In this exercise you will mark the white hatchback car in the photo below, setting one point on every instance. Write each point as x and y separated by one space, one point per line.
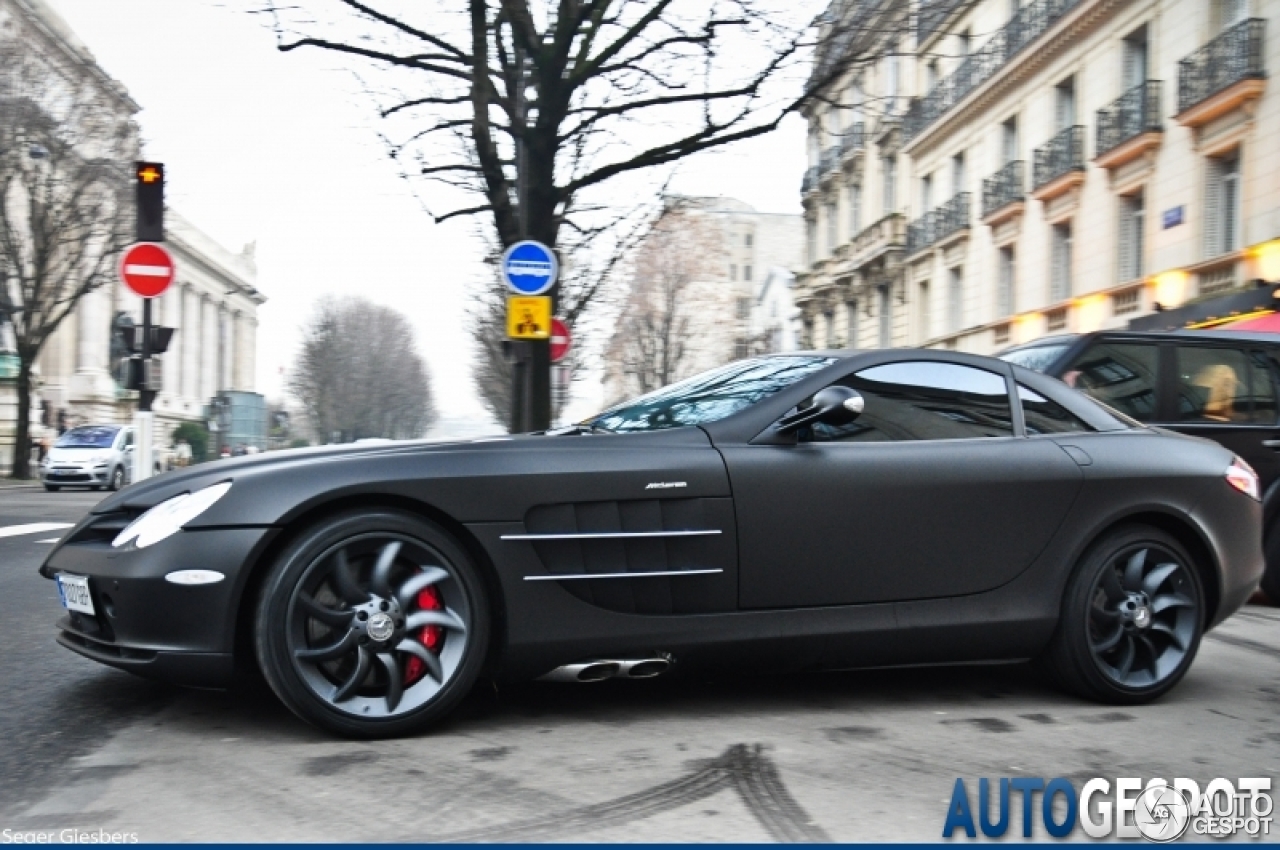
93 456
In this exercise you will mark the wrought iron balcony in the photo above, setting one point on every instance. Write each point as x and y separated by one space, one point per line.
1004 187
830 160
1137 111
938 223
810 181
1060 155
847 32
1025 26
1233 56
854 139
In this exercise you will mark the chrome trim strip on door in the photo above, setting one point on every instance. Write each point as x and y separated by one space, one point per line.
570 576
610 535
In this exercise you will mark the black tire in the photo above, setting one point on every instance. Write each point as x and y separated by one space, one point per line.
1132 575
52 488
117 479
307 611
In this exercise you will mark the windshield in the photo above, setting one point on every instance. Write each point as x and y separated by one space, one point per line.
710 396
89 437
1038 357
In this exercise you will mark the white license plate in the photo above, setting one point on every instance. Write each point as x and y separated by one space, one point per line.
74 591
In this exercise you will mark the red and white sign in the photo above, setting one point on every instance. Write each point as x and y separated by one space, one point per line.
561 342
147 269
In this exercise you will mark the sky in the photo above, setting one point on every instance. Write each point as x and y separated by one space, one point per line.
283 150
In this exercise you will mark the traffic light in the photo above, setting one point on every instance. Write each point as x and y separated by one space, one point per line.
149 180
160 339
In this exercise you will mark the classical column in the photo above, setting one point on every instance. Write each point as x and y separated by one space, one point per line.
91 389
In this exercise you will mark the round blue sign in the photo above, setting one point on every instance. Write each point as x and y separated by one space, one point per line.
529 267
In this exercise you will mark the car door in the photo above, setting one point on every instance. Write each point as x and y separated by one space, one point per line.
931 492
1227 393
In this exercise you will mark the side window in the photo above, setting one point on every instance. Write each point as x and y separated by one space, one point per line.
1213 385
1119 374
924 401
128 440
1043 416
1262 389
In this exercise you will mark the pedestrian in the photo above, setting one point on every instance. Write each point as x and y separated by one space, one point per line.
182 453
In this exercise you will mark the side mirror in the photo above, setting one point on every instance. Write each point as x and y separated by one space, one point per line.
831 406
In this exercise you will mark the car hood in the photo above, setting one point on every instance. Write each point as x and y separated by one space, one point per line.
75 455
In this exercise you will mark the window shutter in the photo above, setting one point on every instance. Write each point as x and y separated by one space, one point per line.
1213 208
1139 234
1125 234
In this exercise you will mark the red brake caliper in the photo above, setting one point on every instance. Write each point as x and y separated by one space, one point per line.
428 636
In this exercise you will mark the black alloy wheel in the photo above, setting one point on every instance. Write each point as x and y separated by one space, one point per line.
372 624
117 478
1132 619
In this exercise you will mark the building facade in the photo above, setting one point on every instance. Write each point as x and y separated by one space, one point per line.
1076 165
700 272
212 304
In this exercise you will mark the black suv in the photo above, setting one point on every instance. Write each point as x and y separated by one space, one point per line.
1222 385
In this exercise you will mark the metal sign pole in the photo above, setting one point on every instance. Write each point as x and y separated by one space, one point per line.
143 420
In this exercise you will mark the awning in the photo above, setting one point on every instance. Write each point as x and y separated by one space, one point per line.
1266 323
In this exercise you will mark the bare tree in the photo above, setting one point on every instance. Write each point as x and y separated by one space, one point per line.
65 155
358 373
670 323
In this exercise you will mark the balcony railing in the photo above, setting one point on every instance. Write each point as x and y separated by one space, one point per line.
830 160
932 14
1137 111
854 139
846 33
1060 155
1233 56
938 223
1024 27
1003 188
810 181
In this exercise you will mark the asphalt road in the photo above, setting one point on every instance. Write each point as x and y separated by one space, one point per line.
844 756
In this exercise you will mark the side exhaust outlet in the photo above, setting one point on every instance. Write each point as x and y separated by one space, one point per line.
599 669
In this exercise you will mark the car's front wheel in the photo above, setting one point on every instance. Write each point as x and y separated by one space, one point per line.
1131 619
117 478
372 624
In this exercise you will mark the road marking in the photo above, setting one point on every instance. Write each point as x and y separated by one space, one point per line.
33 528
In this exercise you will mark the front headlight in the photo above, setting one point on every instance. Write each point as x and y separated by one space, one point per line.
168 517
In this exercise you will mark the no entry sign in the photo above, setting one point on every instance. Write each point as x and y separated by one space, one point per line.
561 341
147 269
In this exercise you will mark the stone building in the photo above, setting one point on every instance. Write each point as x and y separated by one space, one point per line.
985 172
734 249
212 303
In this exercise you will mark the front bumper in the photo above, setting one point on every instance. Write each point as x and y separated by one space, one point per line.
76 474
144 624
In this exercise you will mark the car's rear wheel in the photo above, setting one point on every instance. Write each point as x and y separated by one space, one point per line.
372 624
1131 620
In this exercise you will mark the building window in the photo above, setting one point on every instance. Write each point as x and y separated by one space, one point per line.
955 298
1129 301
890 184
733 272
829 210
748 240
746 273
891 70
1129 236
1009 139
1231 12
1000 334
855 209
851 324
883 313
1065 100
1007 282
1060 259
1056 319
829 317
1222 205
1134 72
926 193
957 174
922 312
744 308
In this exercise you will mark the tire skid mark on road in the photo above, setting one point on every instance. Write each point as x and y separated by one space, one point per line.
742 768
1246 643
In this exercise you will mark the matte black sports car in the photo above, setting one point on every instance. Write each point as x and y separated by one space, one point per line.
801 511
